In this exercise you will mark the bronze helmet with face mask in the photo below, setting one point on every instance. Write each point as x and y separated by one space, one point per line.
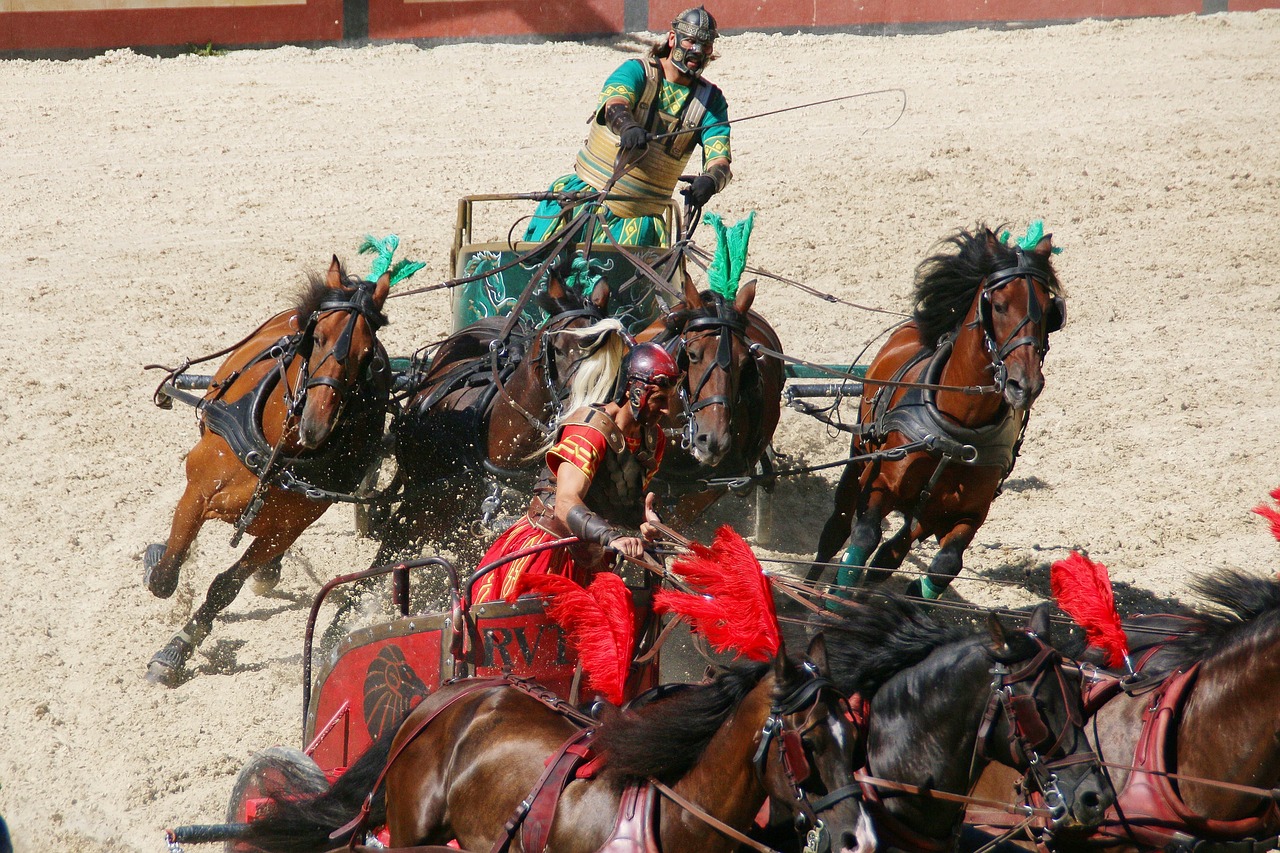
697 26
647 367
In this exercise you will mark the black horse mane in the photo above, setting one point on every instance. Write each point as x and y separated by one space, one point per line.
1245 610
886 635
666 738
317 292
946 282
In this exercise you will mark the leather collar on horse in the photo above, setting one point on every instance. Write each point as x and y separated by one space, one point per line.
1150 809
332 471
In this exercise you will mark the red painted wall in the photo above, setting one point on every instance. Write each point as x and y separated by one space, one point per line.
322 20
316 20
398 19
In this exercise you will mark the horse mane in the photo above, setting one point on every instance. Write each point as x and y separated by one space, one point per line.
946 282
879 640
317 292
666 738
1245 610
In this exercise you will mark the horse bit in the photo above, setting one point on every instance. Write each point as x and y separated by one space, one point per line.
1030 739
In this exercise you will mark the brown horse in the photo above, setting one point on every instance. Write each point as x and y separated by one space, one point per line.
464 759
733 395
290 423
484 407
1204 709
926 445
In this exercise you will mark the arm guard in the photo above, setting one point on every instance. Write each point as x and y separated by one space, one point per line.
720 174
589 527
618 118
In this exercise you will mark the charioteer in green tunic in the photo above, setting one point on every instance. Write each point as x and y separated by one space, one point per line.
662 93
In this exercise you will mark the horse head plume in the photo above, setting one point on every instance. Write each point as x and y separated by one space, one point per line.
732 603
600 622
1271 514
1083 590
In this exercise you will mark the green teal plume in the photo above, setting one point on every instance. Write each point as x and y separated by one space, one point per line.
385 249
731 253
584 274
1028 241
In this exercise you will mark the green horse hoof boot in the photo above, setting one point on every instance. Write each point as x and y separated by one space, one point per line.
848 577
925 589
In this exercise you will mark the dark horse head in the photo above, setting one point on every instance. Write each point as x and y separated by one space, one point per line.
1011 295
709 335
944 703
339 317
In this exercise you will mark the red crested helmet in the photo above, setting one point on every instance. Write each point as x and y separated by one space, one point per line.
648 364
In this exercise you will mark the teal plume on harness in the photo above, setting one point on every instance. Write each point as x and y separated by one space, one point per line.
731 254
385 250
1031 239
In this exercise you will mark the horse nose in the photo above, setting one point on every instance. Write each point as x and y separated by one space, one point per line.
312 434
1090 804
1018 395
862 839
709 447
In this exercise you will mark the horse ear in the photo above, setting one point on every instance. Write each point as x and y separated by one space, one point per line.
692 298
381 289
818 653
999 636
555 287
784 670
600 296
333 279
1044 248
746 295
1039 623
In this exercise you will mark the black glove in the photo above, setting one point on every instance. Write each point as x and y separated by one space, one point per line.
633 139
700 191
631 136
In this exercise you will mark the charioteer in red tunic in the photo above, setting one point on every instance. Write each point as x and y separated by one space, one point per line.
594 482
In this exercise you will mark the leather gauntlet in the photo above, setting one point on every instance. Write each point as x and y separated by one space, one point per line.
631 135
590 527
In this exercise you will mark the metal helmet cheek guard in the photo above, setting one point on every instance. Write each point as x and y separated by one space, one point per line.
698 25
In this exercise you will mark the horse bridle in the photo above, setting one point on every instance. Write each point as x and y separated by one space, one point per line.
729 327
794 754
1033 272
1031 742
357 303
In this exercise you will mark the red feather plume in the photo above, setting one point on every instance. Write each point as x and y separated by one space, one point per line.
1083 590
1271 514
733 607
600 622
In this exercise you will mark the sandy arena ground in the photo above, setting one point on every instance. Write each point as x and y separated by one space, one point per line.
154 209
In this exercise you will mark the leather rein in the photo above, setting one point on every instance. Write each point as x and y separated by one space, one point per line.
1031 741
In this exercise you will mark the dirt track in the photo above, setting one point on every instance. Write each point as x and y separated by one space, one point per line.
155 209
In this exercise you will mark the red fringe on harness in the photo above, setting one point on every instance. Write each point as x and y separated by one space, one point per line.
733 608
1271 514
1083 589
600 622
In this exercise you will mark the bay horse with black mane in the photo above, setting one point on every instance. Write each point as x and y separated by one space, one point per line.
1204 710
669 774
941 703
733 396
486 406
291 421
944 406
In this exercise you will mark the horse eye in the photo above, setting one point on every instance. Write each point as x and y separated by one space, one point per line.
694 357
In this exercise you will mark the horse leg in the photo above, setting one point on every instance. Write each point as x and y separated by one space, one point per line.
890 555
836 530
162 562
167 663
946 563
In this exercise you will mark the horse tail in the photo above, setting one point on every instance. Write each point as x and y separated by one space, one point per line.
291 824
595 378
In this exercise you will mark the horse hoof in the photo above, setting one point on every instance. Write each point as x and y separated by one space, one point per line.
162 583
166 665
265 579
921 588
